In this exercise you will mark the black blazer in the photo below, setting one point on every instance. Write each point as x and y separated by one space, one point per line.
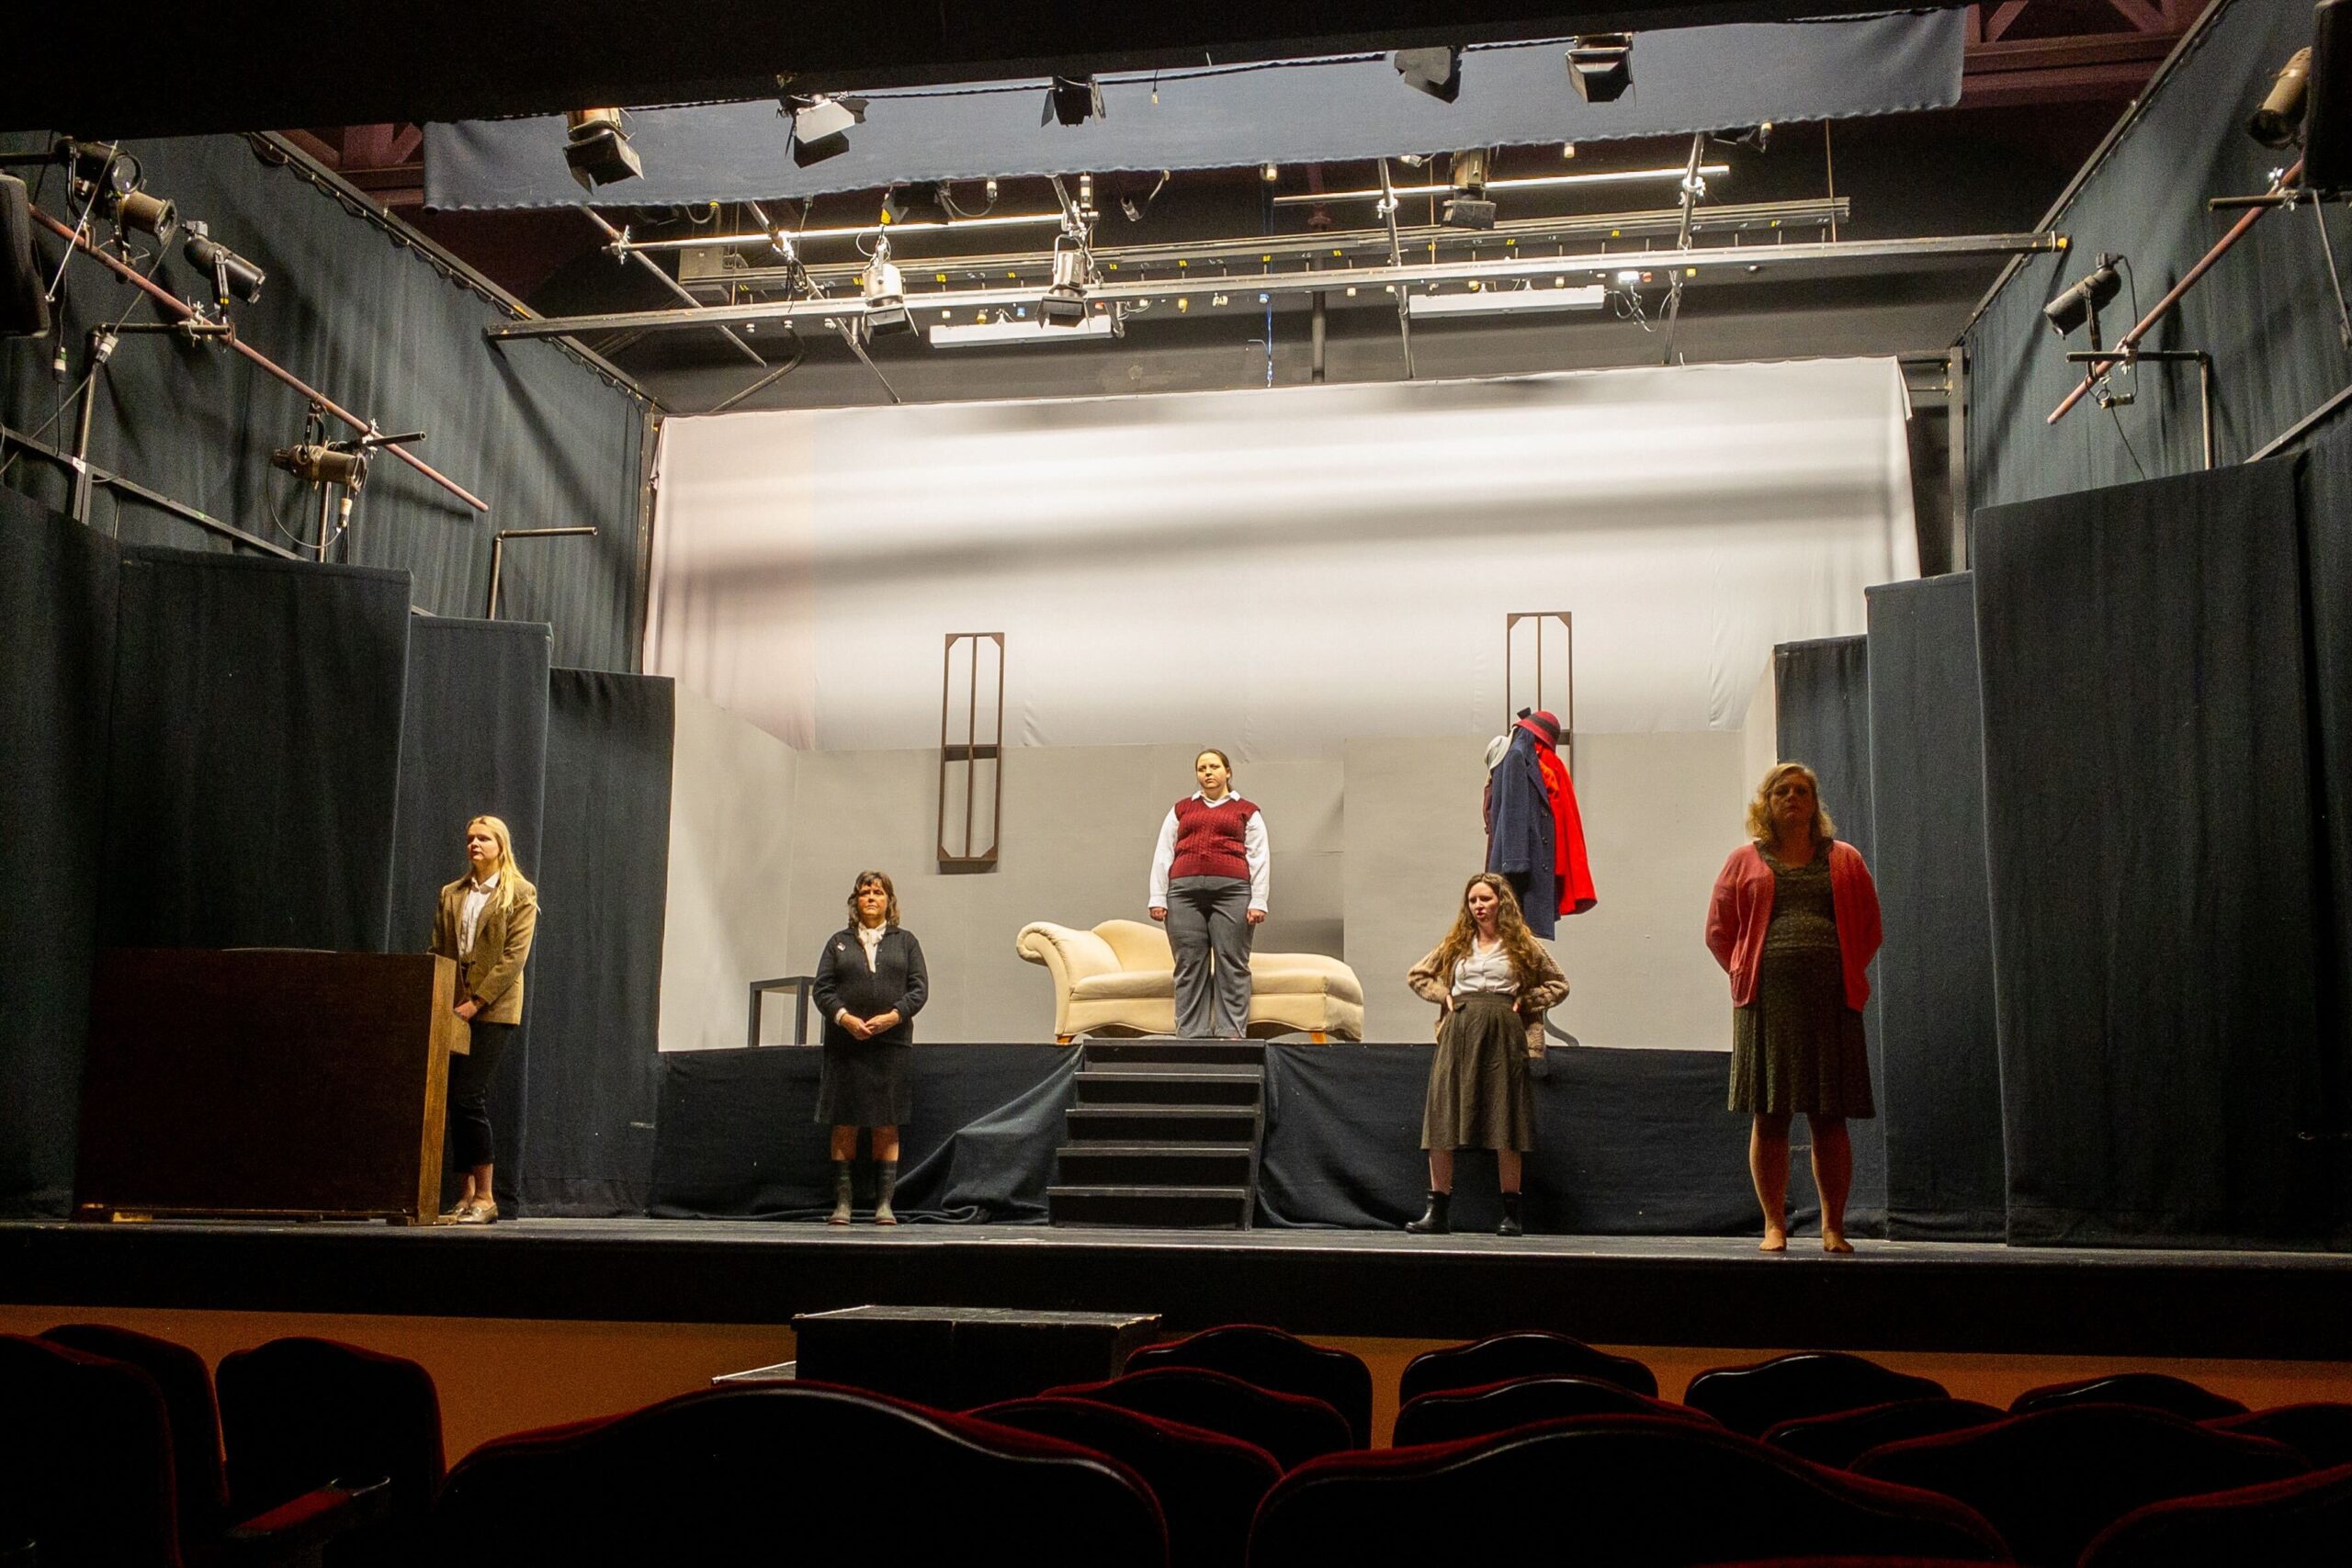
896 982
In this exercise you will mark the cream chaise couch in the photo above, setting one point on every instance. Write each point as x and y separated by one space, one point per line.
1120 978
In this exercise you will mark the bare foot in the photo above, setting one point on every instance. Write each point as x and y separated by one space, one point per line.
1775 1240
1835 1243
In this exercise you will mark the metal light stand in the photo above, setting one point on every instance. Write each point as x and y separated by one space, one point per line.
102 342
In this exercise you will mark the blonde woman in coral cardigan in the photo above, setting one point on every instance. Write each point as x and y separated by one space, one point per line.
1794 922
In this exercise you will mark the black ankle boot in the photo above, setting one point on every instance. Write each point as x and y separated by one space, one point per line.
840 1216
1432 1220
1510 1226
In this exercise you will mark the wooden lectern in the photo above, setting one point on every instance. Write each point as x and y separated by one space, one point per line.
266 1082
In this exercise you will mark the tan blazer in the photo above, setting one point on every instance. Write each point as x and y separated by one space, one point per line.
492 973
1548 990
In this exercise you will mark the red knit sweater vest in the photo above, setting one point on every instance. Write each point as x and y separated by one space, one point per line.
1210 839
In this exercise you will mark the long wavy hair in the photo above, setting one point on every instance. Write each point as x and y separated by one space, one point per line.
510 876
1759 810
1526 958
875 879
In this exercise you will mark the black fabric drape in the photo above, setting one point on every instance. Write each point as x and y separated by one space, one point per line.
473 743
583 1086
1823 690
1940 1098
738 1139
57 600
255 750
2153 863
1627 1143
539 435
2327 587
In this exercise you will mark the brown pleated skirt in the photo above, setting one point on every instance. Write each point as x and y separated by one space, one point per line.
1479 1096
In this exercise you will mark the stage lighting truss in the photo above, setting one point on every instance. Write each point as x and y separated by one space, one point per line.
1601 66
596 149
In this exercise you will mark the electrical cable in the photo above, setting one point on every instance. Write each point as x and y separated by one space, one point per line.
67 401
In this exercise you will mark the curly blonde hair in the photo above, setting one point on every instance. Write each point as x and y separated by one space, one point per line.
1526 958
1759 810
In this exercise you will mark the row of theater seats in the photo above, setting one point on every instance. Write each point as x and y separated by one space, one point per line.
1241 1444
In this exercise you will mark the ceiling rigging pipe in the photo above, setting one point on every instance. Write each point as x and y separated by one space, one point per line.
182 311
2128 341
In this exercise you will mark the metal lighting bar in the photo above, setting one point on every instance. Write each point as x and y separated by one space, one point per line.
1499 301
1519 182
625 245
1097 326
1732 260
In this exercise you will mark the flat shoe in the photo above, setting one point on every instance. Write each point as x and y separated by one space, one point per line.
480 1211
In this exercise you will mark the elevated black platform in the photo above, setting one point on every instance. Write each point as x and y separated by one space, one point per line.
1926 1296
1164 1135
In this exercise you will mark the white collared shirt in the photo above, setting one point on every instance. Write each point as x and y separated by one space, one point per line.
469 912
1253 849
870 938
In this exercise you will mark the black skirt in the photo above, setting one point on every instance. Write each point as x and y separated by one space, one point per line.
867 1084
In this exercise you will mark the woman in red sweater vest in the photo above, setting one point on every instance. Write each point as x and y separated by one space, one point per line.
1210 881
1794 922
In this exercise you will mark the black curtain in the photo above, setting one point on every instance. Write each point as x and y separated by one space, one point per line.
1823 691
2153 852
253 758
2327 585
541 436
57 600
584 1083
473 744
1940 1098
1627 1143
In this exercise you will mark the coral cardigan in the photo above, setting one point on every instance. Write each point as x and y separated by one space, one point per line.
1742 908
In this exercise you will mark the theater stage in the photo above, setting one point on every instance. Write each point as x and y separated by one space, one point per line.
1890 1296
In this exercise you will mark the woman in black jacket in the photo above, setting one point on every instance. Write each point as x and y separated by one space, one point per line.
870 984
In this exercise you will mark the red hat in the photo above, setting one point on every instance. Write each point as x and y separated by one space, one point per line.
1545 727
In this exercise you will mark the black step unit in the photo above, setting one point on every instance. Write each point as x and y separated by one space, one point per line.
1163 1123
1159 1163
1235 1054
1156 1208
1136 1086
1164 1134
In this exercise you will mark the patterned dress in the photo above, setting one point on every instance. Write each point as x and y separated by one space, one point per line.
1798 1047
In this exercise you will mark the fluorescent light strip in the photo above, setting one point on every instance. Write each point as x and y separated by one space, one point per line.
1524 182
914 226
1494 301
967 334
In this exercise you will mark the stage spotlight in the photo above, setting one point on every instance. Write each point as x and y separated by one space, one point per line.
1073 100
232 273
148 214
1437 71
2083 301
596 149
1601 66
820 124
100 169
1469 206
1064 301
2280 119
886 295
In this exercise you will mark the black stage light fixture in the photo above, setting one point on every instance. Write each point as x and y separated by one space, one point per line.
596 149
1469 206
1601 66
100 169
2279 120
2081 303
820 124
232 273
2327 109
1073 100
886 295
147 213
1437 71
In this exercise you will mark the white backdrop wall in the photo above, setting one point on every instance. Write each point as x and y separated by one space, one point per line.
1279 571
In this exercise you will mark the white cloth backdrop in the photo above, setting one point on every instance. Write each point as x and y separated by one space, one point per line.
1277 570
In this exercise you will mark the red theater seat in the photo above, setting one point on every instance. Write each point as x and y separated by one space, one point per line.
1528 1353
1756 1398
1449 1415
2149 1391
1613 1489
2321 1433
2306 1522
186 1384
1291 1426
1272 1358
2050 1482
1208 1486
788 1473
1841 1439
85 1459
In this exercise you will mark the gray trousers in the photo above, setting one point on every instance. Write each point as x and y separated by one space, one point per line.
1210 915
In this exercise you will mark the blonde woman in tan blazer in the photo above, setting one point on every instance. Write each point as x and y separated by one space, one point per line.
485 924
1492 983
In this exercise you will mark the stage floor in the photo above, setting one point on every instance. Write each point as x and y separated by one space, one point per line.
1929 1296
